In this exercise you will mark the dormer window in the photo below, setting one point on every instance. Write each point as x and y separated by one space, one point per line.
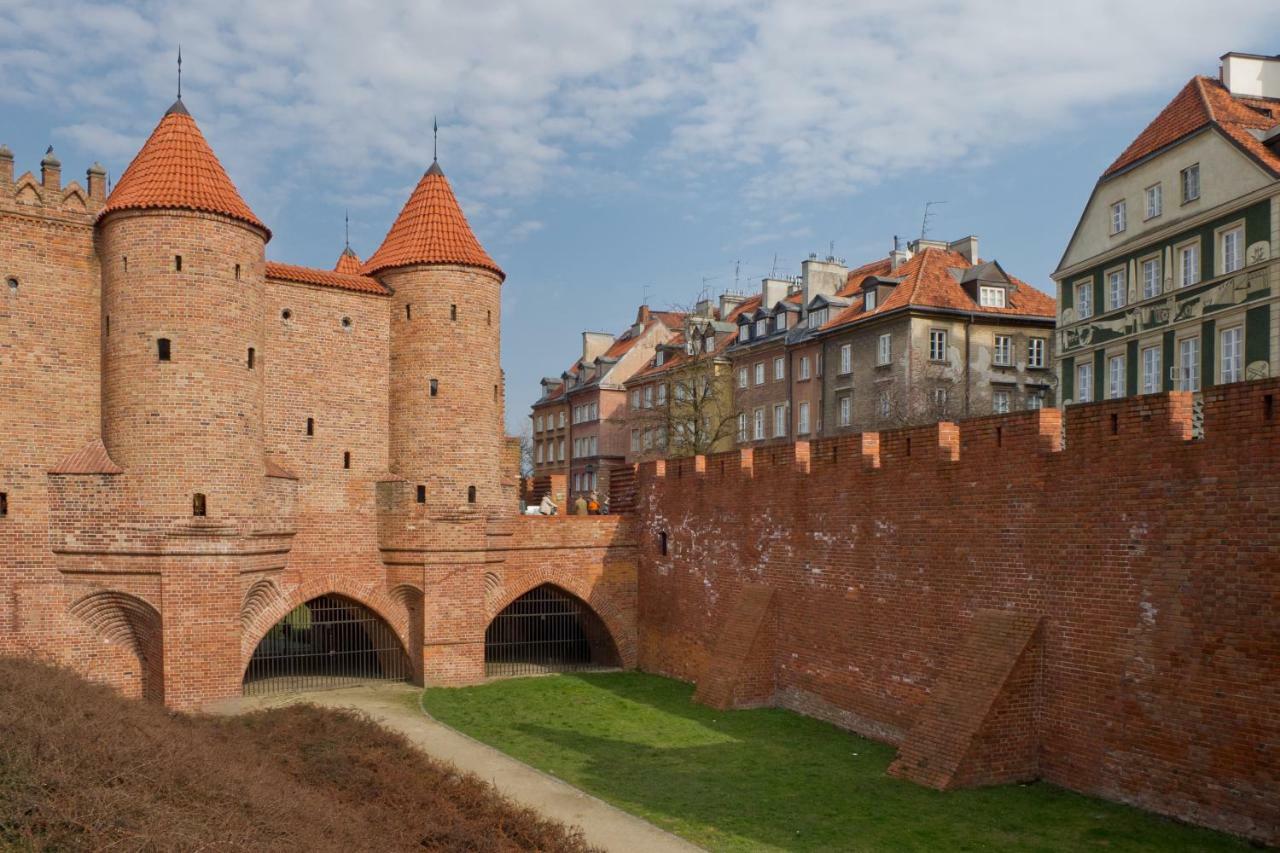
708 343
762 327
660 358
817 317
782 321
869 301
744 332
991 297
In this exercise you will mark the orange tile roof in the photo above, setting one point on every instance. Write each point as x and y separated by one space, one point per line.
681 356
1202 102
176 168
348 262
325 278
431 229
927 282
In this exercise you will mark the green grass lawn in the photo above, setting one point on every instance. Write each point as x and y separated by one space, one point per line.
770 779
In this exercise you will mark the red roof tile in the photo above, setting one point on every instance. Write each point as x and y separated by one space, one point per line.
431 229
176 168
325 278
1204 101
348 262
927 282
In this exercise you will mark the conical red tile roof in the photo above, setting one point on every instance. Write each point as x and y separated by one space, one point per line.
430 230
176 168
348 262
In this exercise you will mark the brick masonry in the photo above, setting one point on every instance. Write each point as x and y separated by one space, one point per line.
308 456
1101 615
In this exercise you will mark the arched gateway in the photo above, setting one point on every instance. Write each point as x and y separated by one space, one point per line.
328 641
547 630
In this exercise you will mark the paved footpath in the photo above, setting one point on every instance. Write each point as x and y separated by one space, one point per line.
393 706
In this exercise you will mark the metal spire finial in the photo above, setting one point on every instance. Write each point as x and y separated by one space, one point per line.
435 139
179 71
346 219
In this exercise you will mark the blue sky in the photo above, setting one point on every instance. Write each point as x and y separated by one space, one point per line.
602 150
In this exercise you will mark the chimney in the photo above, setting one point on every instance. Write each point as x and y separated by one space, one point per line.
1250 75
729 302
50 171
704 308
899 255
97 179
821 277
773 291
6 165
594 345
967 247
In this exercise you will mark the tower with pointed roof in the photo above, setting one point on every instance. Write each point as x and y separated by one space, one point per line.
182 297
445 390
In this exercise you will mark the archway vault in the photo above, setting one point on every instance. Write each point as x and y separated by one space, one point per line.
616 612
547 629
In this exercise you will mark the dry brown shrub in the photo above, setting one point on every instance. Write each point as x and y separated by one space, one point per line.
83 768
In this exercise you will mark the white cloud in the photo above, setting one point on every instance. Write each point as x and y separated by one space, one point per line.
788 99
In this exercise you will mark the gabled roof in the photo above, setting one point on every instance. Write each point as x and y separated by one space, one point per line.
176 168
325 278
928 281
431 229
348 262
726 337
1201 103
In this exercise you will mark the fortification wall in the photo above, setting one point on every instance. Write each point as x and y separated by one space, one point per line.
1109 611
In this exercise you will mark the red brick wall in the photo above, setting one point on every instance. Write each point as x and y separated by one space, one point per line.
1153 559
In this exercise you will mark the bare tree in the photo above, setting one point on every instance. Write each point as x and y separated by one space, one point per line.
693 409
526 452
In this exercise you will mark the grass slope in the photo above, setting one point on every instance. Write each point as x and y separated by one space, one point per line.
771 779
83 769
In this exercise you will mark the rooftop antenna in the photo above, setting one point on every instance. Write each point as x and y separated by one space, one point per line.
644 294
831 250
737 266
924 222
435 139
179 71
773 272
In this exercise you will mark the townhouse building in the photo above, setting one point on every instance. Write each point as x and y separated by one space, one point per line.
682 403
550 421
1170 279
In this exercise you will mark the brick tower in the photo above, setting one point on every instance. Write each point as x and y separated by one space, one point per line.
445 409
182 302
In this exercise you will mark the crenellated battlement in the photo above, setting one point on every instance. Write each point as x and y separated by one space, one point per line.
46 194
1242 413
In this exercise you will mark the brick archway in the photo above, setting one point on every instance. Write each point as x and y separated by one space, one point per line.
392 610
589 593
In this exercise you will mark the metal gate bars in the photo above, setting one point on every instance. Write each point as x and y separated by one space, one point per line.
328 642
544 630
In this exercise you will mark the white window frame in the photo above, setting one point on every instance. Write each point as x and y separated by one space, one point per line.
1084 381
1036 348
938 345
742 377
1152 368
538 456
562 418
662 392
1154 196
762 327
1233 235
804 367
538 428
1189 183
817 317
884 349
1001 401
648 396
1231 354
635 398
744 332
846 359
1188 364
1188 275
635 440
1119 216
869 300
759 370
1085 289
802 418
779 369
1035 401
1003 351
1117 290
1152 277
742 426
846 409
779 420
991 297
885 404
1116 376
758 423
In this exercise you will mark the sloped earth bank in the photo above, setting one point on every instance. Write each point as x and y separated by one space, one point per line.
82 768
